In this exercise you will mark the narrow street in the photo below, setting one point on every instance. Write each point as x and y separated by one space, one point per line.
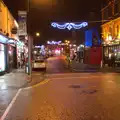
64 95
57 65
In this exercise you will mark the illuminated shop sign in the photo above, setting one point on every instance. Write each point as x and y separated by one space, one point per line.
2 58
3 39
11 41
69 26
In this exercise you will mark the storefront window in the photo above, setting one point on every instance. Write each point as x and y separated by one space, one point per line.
2 58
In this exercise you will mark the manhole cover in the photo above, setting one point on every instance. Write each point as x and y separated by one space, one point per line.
89 91
75 86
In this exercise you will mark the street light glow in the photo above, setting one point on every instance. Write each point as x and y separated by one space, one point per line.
38 34
44 3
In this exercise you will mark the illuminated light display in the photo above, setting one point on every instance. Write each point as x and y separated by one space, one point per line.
69 26
3 39
54 42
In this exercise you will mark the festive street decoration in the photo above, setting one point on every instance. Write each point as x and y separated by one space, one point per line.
69 26
54 42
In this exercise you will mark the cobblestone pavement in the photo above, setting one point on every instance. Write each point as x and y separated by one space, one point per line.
69 96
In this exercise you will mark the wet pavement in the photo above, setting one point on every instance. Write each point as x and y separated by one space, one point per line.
68 96
12 82
57 65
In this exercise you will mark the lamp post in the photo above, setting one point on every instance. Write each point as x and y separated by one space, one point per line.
29 42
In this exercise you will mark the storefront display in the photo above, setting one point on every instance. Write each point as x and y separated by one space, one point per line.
111 55
2 58
3 42
22 53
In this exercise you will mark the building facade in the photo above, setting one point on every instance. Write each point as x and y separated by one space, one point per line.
8 39
111 33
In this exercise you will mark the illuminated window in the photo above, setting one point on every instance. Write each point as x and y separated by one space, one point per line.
0 6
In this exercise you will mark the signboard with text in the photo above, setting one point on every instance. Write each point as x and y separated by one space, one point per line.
22 23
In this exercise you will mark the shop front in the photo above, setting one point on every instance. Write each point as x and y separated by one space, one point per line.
12 55
22 53
111 43
3 41
111 55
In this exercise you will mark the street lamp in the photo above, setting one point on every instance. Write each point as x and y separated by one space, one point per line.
37 34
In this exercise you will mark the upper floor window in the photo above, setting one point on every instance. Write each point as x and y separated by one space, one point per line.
109 11
0 7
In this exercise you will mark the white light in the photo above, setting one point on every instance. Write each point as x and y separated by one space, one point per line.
35 52
81 45
74 45
48 42
10 52
3 39
4 87
11 41
69 26
37 46
54 42
110 37
16 24
57 52
2 80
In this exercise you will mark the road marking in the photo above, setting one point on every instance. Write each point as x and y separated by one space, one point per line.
34 86
70 78
10 105
63 74
89 71
92 76
17 94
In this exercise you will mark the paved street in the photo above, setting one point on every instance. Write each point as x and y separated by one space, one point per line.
57 65
12 82
64 95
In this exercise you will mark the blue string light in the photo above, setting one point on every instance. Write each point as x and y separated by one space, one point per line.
69 26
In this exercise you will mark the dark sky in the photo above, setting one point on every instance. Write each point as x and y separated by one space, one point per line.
43 13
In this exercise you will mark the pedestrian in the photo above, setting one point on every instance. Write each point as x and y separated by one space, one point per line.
112 60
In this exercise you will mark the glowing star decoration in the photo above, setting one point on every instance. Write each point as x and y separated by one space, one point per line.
69 26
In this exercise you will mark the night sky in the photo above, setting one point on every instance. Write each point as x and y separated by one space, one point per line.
46 11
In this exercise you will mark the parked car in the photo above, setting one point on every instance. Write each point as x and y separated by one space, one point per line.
39 64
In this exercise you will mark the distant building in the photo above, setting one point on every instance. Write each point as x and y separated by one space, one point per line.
111 32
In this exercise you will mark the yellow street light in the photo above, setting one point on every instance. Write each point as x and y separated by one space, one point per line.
37 34
66 41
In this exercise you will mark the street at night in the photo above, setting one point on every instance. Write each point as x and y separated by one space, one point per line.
68 96
59 60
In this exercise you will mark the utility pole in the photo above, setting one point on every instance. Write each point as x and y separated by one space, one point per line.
29 42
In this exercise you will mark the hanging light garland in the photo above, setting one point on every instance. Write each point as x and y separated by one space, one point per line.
69 26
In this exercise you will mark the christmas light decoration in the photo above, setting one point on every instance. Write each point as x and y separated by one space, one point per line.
69 26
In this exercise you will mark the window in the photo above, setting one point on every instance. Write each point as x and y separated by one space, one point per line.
0 6
116 8
109 11
105 14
